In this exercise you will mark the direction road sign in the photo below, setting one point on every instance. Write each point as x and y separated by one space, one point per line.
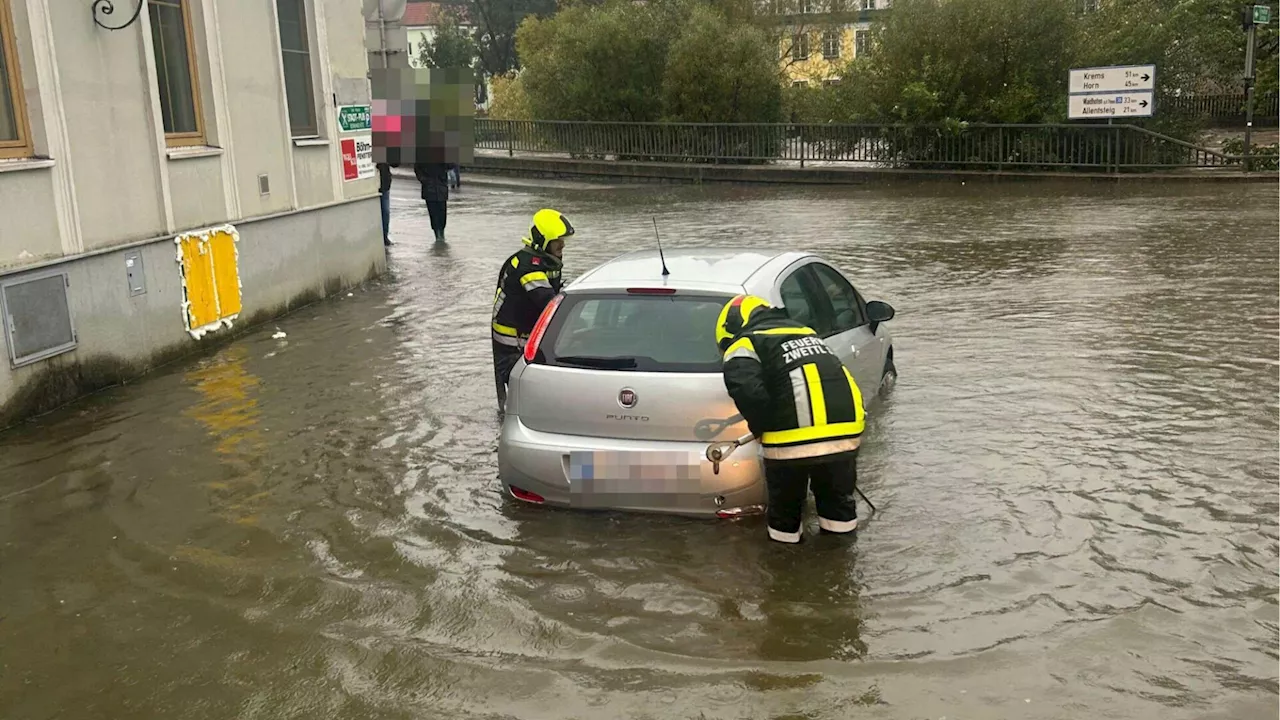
1129 104
354 118
1115 79
1261 14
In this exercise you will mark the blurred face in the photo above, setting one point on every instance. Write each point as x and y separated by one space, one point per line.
556 247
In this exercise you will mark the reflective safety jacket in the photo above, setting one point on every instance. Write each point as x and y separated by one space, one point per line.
528 281
794 393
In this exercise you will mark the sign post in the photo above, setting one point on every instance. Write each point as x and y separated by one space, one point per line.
1110 92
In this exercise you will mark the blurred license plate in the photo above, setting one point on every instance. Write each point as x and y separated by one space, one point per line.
634 472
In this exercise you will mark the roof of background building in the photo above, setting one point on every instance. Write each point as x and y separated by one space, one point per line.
429 14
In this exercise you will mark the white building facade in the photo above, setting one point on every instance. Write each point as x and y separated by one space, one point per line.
134 131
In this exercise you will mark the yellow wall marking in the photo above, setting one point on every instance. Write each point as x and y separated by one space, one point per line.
210 264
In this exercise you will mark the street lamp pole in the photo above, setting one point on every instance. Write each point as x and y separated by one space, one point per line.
1251 31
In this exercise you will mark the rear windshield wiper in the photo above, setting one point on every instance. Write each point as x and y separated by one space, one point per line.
603 363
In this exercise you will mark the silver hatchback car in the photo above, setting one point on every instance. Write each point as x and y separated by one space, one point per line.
620 391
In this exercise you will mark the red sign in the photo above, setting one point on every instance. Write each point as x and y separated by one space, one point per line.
350 171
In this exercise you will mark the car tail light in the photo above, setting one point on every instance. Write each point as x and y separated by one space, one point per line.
526 496
652 291
540 329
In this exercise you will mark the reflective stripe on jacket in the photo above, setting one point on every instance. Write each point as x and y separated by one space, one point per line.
528 281
795 394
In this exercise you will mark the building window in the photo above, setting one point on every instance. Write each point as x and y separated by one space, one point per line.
806 7
799 83
869 4
15 141
831 44
295 53
174 45
859 43
800 46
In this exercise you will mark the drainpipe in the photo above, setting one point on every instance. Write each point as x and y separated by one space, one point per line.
382 33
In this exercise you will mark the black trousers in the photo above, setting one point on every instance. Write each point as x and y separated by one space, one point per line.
833 483
505 358
439 212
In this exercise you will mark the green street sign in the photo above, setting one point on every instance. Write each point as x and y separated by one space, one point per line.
1261 14
354 118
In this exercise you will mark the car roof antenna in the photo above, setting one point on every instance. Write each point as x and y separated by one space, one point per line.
665 271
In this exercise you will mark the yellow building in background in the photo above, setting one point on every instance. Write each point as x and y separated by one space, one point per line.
811 56
817 38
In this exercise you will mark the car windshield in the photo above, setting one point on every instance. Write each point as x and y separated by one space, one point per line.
646 333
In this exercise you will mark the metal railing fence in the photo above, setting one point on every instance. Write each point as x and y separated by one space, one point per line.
1109 148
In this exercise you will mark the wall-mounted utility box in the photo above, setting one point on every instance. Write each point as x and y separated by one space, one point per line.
36 317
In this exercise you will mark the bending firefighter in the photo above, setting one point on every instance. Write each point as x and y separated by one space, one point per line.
528 281
803 405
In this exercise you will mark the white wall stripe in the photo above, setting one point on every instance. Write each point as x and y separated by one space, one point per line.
328 112
53 112
221 108
155 117
284 107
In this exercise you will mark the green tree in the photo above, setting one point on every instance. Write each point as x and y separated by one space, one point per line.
686 60
450 47
1198 46
510 102
597 63
969 60
721 71
497 22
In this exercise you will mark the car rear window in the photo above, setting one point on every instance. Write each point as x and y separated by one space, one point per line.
643 333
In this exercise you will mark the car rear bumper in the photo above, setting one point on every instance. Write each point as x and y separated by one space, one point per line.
540 463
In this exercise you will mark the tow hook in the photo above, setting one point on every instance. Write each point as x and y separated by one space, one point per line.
717 452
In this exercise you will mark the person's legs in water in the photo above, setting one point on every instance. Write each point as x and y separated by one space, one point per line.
788 486
386 218
437 209
833 488
505 358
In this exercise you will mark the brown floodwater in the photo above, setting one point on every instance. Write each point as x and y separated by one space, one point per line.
1076 478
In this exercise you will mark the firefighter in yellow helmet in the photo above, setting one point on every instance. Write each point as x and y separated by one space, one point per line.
528 280
803 405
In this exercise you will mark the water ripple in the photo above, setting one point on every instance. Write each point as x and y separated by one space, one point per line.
1076 477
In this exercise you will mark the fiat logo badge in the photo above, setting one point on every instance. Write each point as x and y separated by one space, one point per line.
627 398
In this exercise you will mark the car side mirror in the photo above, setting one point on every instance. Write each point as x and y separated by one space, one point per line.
878 312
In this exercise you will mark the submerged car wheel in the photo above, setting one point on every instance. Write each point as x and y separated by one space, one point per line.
889 376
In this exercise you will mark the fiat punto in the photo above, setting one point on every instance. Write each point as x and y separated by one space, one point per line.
619 391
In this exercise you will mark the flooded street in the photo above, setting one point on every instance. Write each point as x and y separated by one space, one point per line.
1076 478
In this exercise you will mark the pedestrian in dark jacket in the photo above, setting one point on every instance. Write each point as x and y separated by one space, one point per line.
434 177
384 190
802 402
